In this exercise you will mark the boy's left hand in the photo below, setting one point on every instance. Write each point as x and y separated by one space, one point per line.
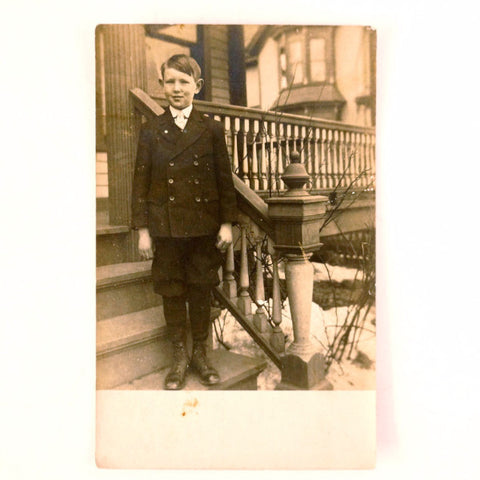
224 237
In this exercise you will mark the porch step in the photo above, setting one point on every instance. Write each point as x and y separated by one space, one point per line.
130 346
125 288
112 241
237 372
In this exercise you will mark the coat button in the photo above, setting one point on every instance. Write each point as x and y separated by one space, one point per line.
196 181
171 198
198 199
170 180
195 163
171 164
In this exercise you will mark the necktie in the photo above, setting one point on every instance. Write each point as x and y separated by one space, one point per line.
180 120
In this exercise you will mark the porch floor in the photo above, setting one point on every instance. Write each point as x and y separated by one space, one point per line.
236 372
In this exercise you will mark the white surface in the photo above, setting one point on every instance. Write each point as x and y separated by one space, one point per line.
428 355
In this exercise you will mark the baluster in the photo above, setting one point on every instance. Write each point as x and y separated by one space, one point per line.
295 146
254 176
373 160
260 318
336 160
263 174
229 283
348 150
329 159
307 135
279 171
288 136
323 159
277 340
343 163
363 179
228 140
359 158
367 161
273 156
245 167
244 301
236 129
356 157
217 117
316 169
304 147
220 276
353 152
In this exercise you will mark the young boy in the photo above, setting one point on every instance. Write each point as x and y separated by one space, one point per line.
183 205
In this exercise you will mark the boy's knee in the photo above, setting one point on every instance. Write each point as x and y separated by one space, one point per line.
169 288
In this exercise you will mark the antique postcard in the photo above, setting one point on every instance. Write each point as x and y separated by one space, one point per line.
235 202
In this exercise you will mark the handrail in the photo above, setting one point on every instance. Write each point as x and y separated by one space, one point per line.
216 108
144 103
253 206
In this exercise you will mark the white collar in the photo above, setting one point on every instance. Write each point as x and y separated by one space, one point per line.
186 111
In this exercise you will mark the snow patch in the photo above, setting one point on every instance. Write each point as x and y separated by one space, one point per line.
349 375
324 272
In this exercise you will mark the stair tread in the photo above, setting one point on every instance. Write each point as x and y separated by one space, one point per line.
232 368
105 229
110 274
115 332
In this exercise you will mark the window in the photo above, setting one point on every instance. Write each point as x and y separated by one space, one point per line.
306 56
318 64
295 62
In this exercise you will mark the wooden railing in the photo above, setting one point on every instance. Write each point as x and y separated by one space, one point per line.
336 155
260 145
249 263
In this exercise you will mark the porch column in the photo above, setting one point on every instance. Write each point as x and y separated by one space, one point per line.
298 217
125 67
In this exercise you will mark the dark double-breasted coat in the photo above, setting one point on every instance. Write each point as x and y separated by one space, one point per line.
183 184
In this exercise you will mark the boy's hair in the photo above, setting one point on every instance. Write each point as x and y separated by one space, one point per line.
182 63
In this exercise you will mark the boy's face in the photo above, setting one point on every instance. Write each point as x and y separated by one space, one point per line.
180 88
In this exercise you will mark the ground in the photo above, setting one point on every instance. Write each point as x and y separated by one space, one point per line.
354 373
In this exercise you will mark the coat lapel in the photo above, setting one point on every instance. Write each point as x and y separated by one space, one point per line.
166 130
193 131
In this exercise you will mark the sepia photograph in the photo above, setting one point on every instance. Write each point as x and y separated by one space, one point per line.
235 206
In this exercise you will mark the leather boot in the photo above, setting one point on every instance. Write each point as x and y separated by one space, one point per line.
199 362
175 312
175 379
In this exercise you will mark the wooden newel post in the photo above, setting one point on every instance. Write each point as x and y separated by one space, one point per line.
298 216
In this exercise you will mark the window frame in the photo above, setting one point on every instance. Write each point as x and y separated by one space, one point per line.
306 34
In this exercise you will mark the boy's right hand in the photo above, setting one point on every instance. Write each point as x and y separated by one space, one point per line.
145 243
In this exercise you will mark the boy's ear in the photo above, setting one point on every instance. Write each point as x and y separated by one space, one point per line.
199 84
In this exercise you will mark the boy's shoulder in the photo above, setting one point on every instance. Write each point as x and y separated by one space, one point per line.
151 123
211 122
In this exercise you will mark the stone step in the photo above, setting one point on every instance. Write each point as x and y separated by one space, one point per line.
130 346
237 372
112 242
124 288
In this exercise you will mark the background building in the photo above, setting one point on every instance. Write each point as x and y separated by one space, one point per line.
319 71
